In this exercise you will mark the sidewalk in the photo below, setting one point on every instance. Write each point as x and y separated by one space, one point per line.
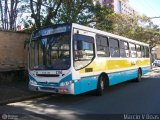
155 73
17 91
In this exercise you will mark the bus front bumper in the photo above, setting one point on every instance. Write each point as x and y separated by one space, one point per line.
51 89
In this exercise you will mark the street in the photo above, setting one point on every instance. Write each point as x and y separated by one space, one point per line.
79 60
126 98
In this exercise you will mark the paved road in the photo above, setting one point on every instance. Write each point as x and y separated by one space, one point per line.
123 99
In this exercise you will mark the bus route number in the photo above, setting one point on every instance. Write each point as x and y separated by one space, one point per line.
59 72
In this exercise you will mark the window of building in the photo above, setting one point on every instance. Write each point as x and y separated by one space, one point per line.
114 47
102 46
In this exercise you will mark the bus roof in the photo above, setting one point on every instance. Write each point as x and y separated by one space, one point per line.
106 34
78 26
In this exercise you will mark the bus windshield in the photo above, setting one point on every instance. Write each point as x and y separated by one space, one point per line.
50 52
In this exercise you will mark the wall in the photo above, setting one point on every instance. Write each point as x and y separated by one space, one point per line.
13 56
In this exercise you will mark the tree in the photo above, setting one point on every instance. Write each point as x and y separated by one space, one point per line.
52 11
5 19
70 11
9 10
1 10
75 11
101 17
136 27
50 7
13 13
36 15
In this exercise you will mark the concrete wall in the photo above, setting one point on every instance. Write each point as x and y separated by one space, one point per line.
13 55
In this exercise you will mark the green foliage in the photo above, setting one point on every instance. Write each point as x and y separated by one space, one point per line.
101 18
136 27
71 11
75 11
47 12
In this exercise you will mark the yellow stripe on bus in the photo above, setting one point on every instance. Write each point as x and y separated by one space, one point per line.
103 65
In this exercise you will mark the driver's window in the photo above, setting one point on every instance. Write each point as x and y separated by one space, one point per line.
83 50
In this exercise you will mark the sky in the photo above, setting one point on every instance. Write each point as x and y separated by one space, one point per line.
150 8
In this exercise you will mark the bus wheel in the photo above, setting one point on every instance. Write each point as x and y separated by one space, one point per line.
139 76
100 86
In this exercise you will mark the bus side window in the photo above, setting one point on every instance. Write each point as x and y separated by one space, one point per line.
138 48
102 46
83 51
133 52
124 49
142 51
146 52
114 47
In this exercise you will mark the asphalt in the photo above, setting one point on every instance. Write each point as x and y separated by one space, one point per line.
18 91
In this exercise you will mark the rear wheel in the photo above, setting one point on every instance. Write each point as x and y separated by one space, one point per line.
139 76
101 85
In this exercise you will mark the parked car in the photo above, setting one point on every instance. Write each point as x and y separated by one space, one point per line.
156 63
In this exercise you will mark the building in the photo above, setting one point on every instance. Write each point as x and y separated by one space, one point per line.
155 53
158 52
119 6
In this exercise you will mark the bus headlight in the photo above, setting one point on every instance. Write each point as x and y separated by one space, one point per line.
67 83
32 82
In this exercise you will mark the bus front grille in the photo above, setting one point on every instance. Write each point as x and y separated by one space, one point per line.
47 75
49 89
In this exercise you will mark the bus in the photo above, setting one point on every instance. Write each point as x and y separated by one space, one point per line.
74 59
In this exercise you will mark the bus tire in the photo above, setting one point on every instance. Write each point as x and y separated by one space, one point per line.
139 76
101 85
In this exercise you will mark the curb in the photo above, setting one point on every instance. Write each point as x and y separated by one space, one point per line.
23 98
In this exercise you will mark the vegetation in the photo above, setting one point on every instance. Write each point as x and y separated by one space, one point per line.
47 12
101 19
8 13
136 27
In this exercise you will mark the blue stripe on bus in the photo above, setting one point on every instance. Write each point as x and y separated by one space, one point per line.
67 78
90 83
85 84
123 76
47 83
146 70
32 78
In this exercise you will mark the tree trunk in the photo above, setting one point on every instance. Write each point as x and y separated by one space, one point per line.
1 9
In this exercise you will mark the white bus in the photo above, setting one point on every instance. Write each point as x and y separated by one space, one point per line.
73 59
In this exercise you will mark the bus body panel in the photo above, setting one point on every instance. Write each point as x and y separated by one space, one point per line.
86 84
118 77
118 70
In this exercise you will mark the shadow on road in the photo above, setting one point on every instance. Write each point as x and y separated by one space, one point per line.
128 97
